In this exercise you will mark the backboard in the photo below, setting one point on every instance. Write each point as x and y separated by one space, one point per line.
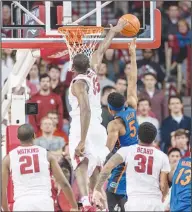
35 26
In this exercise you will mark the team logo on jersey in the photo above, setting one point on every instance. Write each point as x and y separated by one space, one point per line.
113 185
52 101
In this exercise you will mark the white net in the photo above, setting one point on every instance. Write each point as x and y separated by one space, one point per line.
81 39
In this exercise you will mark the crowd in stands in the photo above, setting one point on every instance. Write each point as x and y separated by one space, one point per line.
48 85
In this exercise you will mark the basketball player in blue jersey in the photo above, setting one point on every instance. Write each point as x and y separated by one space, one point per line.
180 176
122 131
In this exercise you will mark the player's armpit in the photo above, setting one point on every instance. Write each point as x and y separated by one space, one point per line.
80 90
114 161
4 182
61 180
164 186
113 134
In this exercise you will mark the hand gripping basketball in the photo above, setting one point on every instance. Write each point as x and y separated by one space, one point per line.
120 25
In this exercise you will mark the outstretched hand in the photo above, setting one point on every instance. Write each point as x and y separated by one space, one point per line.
132 47
120 25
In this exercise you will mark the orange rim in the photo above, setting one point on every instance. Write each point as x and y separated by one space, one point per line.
74 34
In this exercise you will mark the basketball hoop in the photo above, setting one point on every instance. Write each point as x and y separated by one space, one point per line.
81 39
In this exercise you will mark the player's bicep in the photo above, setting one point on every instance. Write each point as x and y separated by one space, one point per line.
5 171
132 101
114 161
113 135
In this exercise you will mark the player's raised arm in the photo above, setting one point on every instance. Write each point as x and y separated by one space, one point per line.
63 182
132 77
97 56
80 90
4 182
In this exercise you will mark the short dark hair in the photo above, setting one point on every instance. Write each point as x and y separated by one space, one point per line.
107 88
147 133
143 100
174 150
116 100
25 133
53 66
175 97
121 78
150 74
42 76
81 63
181 132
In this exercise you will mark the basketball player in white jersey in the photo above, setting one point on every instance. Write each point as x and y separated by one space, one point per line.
147 171
30 167
87 135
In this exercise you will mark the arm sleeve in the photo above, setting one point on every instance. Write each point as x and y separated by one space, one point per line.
124 153
165 165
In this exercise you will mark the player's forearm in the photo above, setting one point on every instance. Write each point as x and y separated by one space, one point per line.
132 78
66 188
5 202
104 45
85 117
104 175
164 187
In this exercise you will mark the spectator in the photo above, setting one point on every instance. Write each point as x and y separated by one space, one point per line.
173 18
106 116
48 140
59 88
144 107
157 98
6 15
121 86
174 155
53 115
181 142
148 65
47 101
176 120
32 89
33 76
8 61
102 77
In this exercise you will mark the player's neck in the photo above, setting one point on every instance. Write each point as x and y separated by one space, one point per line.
147 145
26 144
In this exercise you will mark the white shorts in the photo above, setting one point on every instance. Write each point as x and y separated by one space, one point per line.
144 204
95 142
33 203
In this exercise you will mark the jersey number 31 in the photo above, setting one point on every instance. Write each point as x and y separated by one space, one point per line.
29 164
145 164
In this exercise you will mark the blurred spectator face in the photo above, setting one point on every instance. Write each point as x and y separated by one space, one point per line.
54 74
34 72
181 141
174 157
105 96
183 27
45 84
6 13
8 51
173 12
147 54
54 118
47 125
149 82
127 68
144 108
175 105
103 69
121 86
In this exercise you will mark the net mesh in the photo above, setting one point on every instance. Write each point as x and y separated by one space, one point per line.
81 39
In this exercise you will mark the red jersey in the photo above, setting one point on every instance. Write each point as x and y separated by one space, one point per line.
46 104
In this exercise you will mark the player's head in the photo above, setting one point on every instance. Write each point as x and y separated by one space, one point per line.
174 155
80 63
116 103
25 134
147 133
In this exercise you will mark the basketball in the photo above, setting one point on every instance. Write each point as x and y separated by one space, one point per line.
132 27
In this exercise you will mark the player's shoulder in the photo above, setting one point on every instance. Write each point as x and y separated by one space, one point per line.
130 109
160 153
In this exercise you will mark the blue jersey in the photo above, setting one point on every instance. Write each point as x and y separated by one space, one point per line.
117 181
181 186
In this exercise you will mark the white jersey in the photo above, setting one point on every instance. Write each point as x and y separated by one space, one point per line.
30 170
94 98
143 167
